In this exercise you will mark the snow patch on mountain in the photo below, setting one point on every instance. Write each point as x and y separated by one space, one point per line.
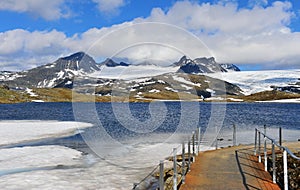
171 89
183 80
154 91
9 76
29 91
186 87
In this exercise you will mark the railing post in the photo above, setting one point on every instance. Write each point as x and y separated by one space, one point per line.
265 129
175 169
189 155
274 162
193 141
255 143
285 171
183 163
161 175
259 156
199 135
265 153
217 143
280 136
234 135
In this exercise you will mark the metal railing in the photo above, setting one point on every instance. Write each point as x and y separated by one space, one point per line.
188 156
286 151
193 148
189 150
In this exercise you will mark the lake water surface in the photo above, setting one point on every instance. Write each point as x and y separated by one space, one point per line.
128 140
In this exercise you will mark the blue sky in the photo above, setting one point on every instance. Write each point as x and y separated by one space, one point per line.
84 15
254 34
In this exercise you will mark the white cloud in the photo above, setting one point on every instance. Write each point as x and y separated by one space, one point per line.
253 3
49 10
109 6
258 35
255 35
37 42
24 49
225 18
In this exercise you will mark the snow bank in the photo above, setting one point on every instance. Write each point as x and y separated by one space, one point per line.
12 132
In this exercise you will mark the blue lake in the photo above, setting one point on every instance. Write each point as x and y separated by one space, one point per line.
173 116
284 115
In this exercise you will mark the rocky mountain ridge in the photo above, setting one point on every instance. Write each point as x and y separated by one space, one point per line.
81 73
62 72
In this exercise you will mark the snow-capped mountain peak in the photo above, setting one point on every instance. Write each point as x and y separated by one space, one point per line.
230 67
183 61
50 75
77 61
200 65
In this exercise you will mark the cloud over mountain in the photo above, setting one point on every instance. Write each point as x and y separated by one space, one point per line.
250 35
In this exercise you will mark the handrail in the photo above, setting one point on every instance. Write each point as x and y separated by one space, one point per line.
280 146
193 148
135 185
274 143
172 184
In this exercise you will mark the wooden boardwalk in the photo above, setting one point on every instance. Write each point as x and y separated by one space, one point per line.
233 168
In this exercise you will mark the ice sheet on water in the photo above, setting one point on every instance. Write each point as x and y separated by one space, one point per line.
90 172
49 167
38 156
101 177
116 173
12 132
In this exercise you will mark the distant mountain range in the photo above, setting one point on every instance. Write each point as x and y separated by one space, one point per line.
61 72
185 79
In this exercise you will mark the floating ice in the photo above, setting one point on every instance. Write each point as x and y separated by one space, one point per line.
12 132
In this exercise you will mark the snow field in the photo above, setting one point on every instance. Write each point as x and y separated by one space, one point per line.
256 81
